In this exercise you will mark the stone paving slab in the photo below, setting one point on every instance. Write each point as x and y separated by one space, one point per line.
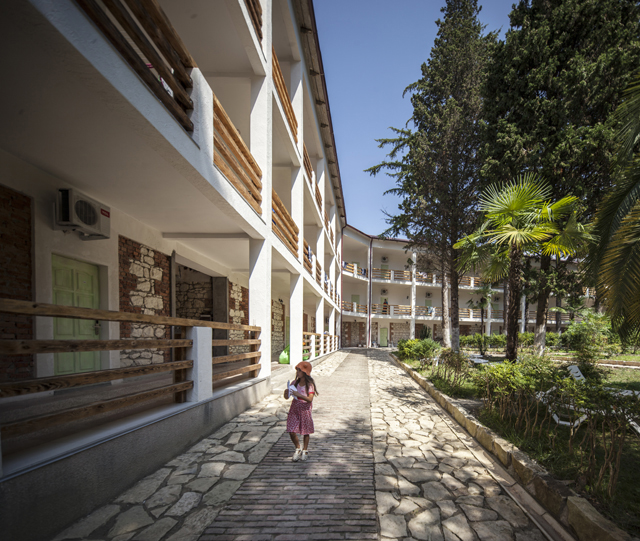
386 463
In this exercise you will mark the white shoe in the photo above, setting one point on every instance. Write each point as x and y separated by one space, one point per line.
296 455
304 456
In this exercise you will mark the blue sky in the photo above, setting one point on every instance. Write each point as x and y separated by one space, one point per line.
372 50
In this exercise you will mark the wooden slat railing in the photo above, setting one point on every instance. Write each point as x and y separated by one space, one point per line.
283 225
381 274
281 88
178 367
428 311
326 219
147 41
465 281
254 7
233 157
402 275
308 257
349 267
424 277
307 352
318 196
318 272
475 313
234 365
307 164
464 313
497 314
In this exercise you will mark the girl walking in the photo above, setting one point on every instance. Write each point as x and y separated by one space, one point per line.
299 420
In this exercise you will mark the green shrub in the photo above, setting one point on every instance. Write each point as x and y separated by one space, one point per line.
590 338
552 339
525 339
419 350
452 369
497 340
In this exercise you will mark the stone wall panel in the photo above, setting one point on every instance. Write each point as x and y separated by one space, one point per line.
16 278
145 288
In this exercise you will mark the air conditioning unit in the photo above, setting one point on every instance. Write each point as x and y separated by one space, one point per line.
384 292
385 259
428 294
496 299
75 211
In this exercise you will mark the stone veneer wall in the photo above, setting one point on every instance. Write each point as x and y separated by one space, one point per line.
374 332
144 289
312 325
16 279
194 295
354 334
278 332
399 331
239 315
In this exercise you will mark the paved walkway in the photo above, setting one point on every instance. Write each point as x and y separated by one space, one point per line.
385 463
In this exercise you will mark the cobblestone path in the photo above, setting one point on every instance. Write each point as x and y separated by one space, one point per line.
429 484
385 463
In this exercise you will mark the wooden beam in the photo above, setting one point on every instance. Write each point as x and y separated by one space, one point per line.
238 357
231 373
233 342
28 308
38 422
23 347
87 378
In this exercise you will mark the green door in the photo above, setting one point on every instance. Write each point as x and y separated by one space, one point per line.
383 337
75 284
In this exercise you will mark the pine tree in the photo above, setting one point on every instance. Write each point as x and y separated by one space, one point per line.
552 87
436 163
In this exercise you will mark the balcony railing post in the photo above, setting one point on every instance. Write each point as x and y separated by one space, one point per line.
201 354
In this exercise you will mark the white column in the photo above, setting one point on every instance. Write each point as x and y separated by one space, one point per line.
297 204
201 354
332 322
369 301
320 323
260 137
260 298
523 319
296 302
487 324
414 296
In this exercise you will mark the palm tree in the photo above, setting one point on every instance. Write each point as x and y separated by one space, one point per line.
615 260
518 220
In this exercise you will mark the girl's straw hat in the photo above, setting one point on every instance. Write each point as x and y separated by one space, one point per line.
305 367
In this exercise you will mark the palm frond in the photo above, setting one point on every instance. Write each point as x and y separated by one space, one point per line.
628 114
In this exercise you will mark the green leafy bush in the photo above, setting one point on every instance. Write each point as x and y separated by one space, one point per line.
528 393
497 340
452 369
419 350
525 339
552 339
591 338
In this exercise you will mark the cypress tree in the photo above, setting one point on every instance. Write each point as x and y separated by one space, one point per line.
436 162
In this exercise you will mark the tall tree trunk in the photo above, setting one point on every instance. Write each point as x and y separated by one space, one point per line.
446 331
505 306
455 308
481 331
558 315
540 337
515 277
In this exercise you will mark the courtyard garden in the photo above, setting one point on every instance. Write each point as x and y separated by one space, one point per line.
585 432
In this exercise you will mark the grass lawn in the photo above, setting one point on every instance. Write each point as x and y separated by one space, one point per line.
623 378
